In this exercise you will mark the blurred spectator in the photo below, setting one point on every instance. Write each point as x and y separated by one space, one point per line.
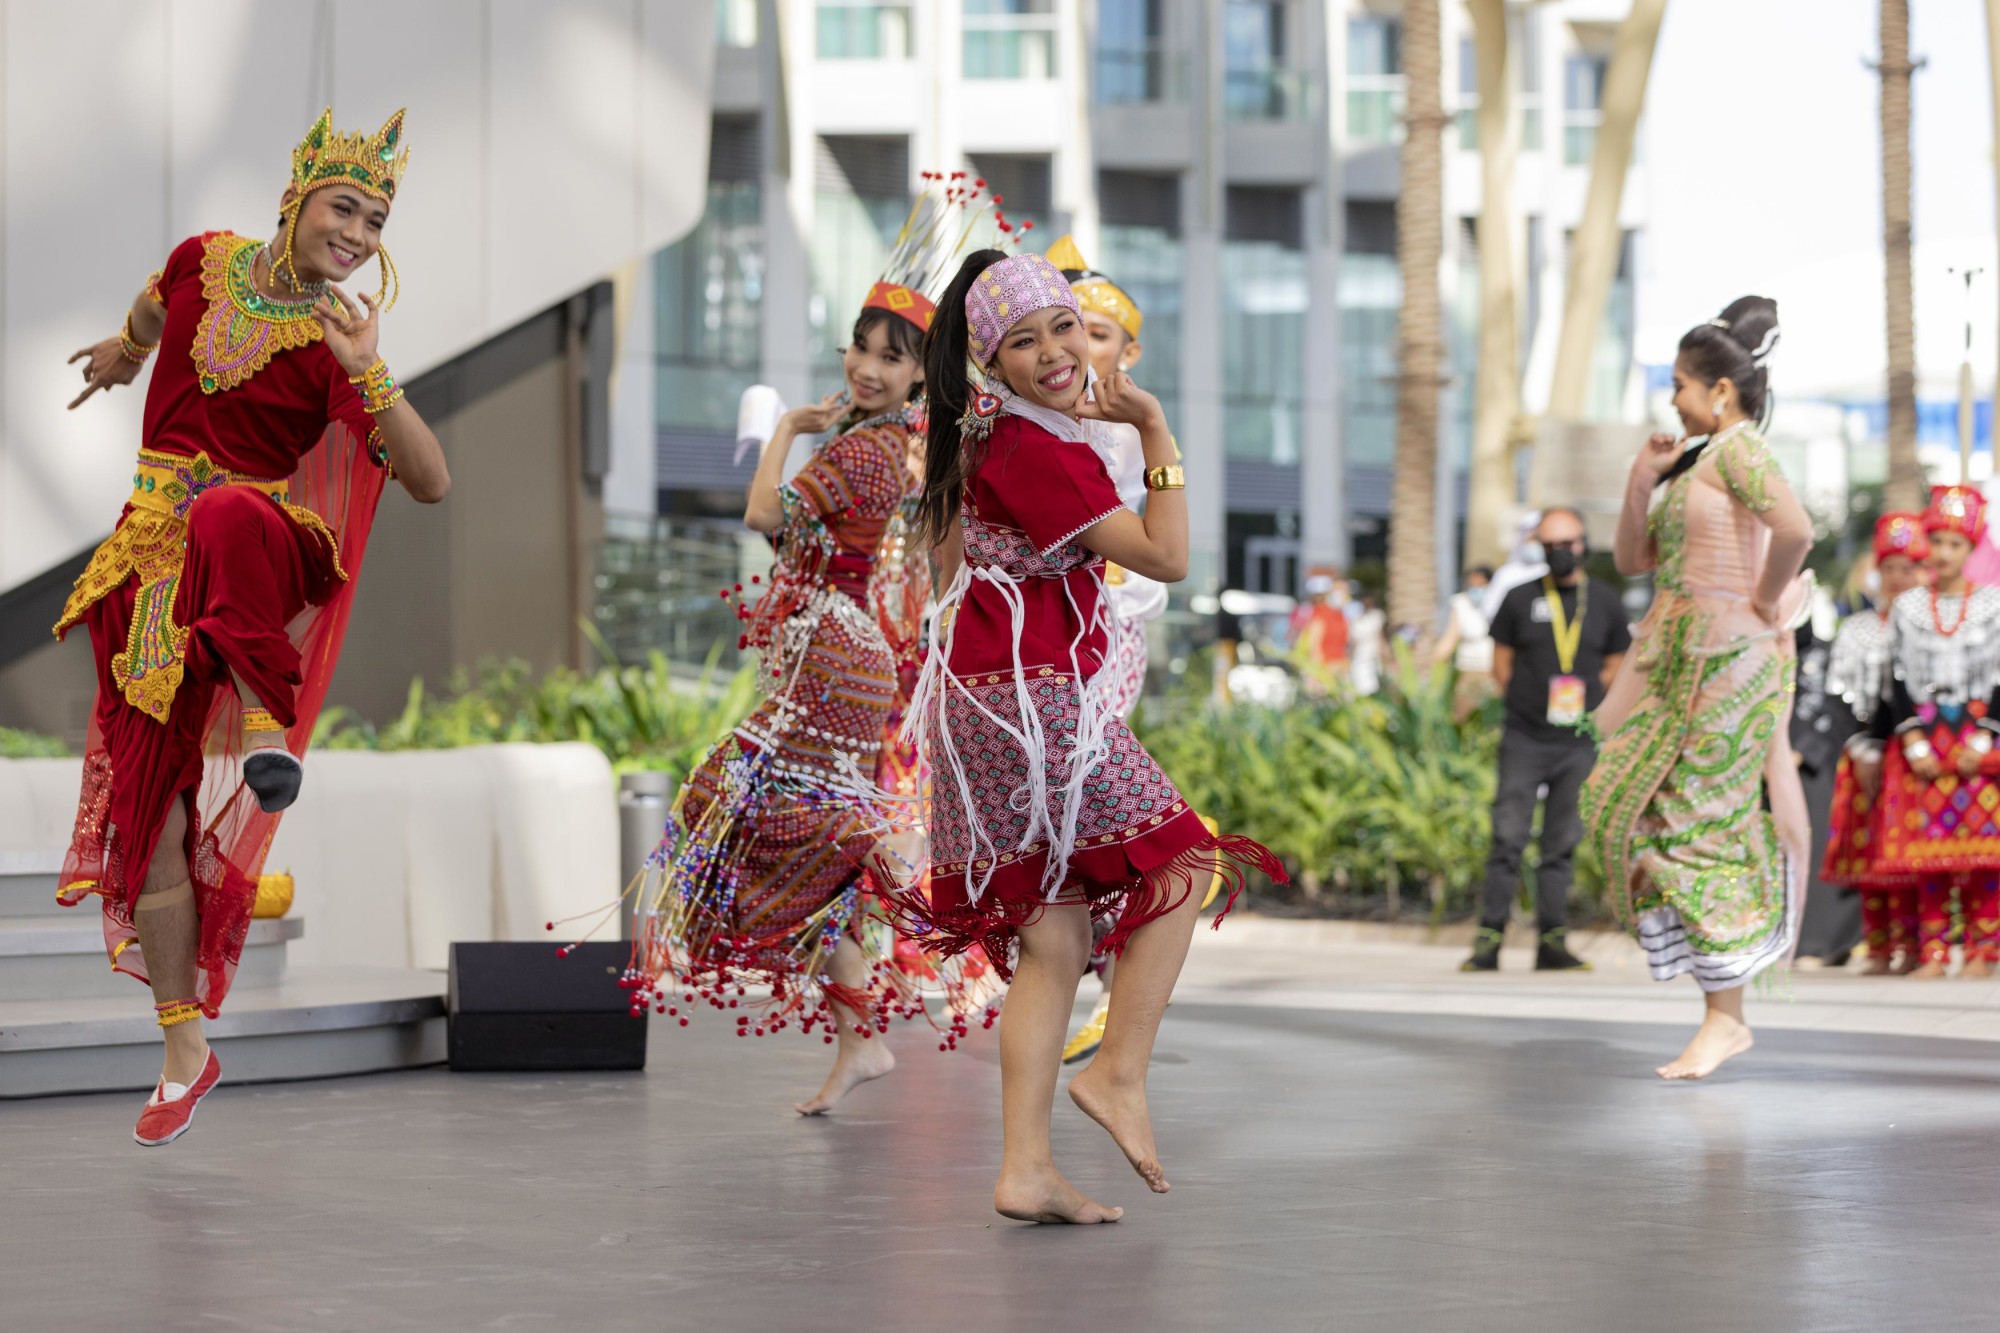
1319 628
1468 645
1364 646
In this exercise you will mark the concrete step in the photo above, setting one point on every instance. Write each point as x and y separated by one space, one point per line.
64 956
319 1022
28 883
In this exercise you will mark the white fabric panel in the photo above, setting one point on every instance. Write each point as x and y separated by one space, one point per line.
394 856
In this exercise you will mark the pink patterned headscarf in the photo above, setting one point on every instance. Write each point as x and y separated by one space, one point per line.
1007 293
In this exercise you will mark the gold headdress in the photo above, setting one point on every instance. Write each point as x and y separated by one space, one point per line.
1093 290
372 164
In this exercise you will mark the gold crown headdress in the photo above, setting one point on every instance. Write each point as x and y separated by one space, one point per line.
373 164
1093 290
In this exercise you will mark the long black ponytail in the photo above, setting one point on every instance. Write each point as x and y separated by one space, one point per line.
949 457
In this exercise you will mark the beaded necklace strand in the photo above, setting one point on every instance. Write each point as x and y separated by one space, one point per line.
1964 609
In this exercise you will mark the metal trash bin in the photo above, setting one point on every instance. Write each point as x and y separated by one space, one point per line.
642 814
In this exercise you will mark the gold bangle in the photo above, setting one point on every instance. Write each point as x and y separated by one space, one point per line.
1169 478
378 388
134 350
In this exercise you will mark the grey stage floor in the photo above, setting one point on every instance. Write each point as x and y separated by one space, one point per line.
1332 1170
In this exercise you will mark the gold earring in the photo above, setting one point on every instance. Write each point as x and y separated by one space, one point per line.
285 259
386 298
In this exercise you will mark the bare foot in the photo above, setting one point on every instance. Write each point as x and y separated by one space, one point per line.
1929 971
857 1063
1719 1039
1876 966
1046 1195
1976 967
1906 963
1121 1110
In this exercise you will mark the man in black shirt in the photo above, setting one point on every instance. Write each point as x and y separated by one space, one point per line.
1557 641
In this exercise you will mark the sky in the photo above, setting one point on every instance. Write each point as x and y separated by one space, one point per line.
1764 153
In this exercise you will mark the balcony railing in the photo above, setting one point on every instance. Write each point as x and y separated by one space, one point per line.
1375 106
1270 94
863 30
656 582
1136 75
1010 46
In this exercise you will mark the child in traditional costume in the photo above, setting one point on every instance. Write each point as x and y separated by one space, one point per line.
1045 811
216 608
781 835
1856 678
1940 792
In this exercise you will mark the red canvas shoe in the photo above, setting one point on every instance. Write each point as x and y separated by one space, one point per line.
163 1120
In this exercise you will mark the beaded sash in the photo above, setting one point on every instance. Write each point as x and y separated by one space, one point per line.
151 545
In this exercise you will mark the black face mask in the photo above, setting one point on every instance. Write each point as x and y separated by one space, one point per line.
1563 561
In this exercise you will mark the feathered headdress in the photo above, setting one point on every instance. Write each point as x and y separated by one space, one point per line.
940 224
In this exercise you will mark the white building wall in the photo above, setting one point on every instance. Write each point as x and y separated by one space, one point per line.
550 144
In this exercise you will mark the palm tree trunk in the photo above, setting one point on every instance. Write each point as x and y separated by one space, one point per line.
1993 72
1906 483
1497 387
1413 590
1594 260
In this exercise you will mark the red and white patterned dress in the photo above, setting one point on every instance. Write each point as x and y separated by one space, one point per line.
1039 791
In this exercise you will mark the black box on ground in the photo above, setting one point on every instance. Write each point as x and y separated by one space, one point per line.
526 1007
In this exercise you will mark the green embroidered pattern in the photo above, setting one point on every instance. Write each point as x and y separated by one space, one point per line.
1745 464
1668 526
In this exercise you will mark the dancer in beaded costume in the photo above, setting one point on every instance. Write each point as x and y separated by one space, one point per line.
1045 812
1856 682
795 820
1940 712
217 606
1697 718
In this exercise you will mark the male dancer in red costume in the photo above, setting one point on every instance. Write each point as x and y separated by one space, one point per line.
216 608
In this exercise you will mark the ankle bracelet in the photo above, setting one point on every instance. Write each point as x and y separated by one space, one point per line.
177 1012
257 721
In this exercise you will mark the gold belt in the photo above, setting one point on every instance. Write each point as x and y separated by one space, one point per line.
171 483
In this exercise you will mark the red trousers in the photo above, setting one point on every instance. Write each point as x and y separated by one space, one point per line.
1889 920
1978 903
248 569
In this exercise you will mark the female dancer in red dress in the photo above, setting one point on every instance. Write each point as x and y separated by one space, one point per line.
1045 811
216 608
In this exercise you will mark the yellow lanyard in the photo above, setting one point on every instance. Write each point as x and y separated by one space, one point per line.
1568 633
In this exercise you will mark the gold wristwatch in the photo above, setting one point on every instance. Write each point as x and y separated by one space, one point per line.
1169 478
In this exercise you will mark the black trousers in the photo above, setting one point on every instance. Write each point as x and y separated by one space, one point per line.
1527 765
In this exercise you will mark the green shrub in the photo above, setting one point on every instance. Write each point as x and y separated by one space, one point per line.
1370 801
29 745
642 717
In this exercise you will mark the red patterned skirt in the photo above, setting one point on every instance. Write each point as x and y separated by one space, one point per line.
1138 851
1854 840
1932 829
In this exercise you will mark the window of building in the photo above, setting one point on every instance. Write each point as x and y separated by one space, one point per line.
860 200
735 22
863 30
1025 183
1139 229
1010 39
1259 82
1263 335
1133 63
708 291
1375 81
1370 292
1583 106
1524 51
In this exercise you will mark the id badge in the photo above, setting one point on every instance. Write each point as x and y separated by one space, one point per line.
1566 701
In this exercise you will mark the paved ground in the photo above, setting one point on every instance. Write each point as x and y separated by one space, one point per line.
1333 1169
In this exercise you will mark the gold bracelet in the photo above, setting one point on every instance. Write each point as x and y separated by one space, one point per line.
134 350
1169 478
379 390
